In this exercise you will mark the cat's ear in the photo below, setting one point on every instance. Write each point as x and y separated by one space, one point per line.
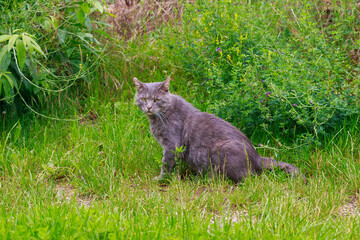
139 85
165 85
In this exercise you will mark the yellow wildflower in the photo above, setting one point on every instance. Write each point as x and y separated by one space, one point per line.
229 58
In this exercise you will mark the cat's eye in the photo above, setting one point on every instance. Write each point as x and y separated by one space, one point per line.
143 99
156 100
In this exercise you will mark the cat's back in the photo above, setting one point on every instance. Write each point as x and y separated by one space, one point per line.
209 137
209 125
206 128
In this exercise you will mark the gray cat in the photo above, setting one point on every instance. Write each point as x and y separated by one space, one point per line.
211 144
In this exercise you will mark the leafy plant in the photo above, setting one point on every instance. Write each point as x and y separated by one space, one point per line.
285 77
179 164
18 44
69 50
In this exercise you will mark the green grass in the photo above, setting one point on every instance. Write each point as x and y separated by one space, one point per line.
94 178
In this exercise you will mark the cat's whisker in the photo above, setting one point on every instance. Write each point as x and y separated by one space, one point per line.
159 116
163 115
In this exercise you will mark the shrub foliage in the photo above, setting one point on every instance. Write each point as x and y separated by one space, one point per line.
45 46
280 66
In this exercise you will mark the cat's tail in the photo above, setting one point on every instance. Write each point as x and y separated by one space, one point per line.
270 164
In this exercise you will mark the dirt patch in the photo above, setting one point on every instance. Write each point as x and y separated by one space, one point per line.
89 118
67 192
351 208
234 216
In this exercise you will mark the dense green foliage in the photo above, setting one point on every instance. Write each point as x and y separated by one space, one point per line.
93 177
275 66
46 46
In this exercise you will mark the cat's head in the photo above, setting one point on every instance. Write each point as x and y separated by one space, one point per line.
152 98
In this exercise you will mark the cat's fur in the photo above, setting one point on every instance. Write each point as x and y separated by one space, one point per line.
211 144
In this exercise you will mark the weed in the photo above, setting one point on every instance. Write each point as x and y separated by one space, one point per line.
279 74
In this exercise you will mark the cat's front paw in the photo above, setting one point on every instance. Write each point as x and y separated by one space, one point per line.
162 177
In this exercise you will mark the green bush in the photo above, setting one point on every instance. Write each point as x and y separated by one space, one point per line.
292 76
46 46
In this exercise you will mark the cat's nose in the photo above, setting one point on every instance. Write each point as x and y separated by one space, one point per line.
148 107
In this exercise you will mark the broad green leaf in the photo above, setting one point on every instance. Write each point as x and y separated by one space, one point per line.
27 41
98 6
21 53
54 22
47 25
103 33
17 131
14 81
80 16
69 51
61 37
12 41
1 83
7 88
10 81
85 8
88 35
37 47
4 37
31 43
5 62
3 51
